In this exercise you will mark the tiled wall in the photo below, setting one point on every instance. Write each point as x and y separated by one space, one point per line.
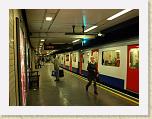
13 93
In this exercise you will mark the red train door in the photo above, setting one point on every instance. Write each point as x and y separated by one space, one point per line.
133 69
70 61
80 65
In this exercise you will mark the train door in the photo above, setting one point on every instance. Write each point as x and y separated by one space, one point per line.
70 61
81 61
133 68
95 54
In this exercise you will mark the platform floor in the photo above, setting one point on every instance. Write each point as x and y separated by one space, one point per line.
70 91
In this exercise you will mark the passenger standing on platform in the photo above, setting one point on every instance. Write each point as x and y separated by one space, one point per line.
39 63
43 60
92 74
56 67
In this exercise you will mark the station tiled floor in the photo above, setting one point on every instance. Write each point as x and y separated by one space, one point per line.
70 91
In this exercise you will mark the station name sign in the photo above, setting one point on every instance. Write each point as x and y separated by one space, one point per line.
56 46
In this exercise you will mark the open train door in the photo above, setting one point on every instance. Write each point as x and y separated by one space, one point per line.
133 69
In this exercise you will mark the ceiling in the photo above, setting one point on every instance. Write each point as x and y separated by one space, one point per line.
63 19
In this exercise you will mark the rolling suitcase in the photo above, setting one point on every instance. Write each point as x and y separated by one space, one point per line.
53 73
61 73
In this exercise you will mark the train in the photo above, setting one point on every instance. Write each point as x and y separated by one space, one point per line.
118 63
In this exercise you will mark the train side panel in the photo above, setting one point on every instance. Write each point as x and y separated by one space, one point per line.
111 71
61 60
112 63
67 60
75 60
85 59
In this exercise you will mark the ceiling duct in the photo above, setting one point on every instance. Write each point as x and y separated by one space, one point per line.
79 33
73 28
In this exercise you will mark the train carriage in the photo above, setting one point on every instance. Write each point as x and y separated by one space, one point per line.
117 64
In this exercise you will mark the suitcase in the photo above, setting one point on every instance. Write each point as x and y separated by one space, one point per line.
61 73
53 73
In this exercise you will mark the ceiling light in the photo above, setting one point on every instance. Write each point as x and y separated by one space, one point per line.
100 34
119 14
41 43
48 18
42 40
89 29
75 40
117 50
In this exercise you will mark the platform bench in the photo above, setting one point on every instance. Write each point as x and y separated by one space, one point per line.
34 79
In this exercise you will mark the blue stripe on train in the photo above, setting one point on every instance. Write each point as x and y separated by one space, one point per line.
67 67
108 80
112 81
84 73
75 70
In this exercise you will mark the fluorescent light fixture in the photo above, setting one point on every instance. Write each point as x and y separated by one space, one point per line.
117 50
119 14
89 29
100 34
41 43
75 40
48 18
42 40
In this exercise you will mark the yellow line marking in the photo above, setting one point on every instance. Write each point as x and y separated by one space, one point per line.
106 89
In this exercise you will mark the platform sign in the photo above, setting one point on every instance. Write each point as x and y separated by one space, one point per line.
56 46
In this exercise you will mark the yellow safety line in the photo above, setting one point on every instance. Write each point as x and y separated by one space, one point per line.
107 89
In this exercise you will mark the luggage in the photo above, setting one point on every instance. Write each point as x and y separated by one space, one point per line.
53 73
61 73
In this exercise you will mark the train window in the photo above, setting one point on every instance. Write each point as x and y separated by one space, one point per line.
134 58
87 53
74 57
111 58
67 57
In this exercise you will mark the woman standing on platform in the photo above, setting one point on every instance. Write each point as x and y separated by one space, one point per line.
56 67
92 74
